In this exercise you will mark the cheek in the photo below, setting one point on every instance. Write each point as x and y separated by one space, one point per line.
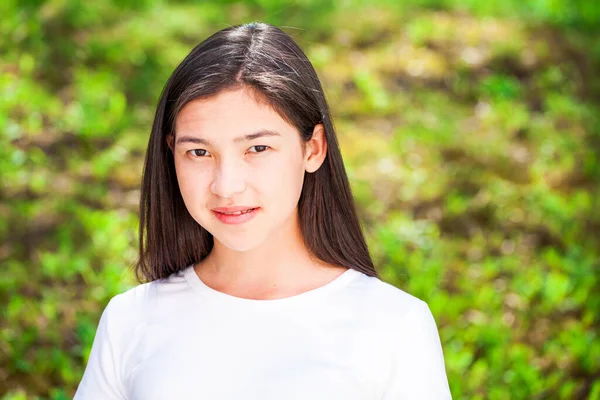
193 182
285 179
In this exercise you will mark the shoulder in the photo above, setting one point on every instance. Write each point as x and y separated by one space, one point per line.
131 299
402 319
388 302
408 333
135 304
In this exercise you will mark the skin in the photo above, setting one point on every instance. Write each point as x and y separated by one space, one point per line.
264 258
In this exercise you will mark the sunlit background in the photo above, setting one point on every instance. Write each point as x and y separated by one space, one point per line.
470 132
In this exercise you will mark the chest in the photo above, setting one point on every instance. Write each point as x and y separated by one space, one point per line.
257 357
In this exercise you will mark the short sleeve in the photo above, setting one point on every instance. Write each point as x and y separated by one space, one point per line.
102 378
418 370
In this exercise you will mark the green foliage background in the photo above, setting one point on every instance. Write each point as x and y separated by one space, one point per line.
470 131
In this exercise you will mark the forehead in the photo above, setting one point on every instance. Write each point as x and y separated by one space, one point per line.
229 113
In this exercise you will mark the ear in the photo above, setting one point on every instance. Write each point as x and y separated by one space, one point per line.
316 149
170 139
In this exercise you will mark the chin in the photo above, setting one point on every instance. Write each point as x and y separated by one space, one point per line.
239 241
240 245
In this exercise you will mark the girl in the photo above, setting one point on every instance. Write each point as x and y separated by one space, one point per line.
258 280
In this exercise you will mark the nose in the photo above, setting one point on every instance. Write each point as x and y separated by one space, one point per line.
229 178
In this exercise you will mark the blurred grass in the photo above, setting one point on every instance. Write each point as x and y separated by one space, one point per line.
470 132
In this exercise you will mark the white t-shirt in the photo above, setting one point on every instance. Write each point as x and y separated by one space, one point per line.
357 337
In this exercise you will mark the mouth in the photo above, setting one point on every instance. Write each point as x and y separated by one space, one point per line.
236 217
237 212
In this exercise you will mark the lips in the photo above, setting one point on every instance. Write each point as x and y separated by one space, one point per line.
237 210
236 217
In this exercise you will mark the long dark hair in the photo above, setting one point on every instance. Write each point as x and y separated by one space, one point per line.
266 60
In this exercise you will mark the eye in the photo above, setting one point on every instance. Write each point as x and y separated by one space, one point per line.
195 155
258 149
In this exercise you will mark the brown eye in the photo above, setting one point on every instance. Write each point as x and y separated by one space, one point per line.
195 153
260 149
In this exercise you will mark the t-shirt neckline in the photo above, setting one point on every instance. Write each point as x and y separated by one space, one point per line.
203 289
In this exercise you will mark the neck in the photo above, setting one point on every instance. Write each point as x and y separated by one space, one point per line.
280 260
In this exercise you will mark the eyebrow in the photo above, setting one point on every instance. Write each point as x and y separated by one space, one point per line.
206 142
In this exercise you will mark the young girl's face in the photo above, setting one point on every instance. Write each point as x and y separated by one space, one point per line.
218 166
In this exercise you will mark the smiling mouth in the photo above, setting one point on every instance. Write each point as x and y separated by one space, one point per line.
237 212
